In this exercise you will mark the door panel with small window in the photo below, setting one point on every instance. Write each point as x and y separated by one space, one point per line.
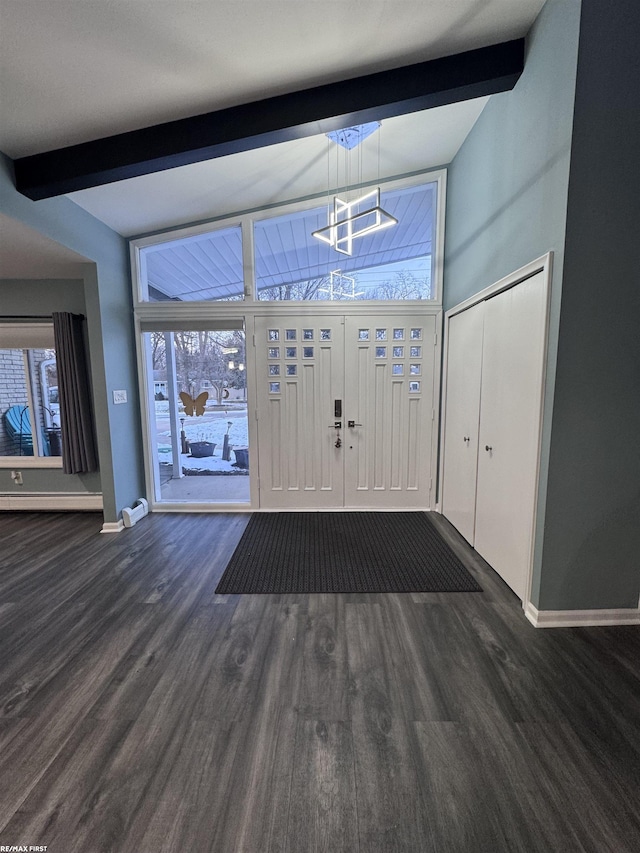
389 389
299 365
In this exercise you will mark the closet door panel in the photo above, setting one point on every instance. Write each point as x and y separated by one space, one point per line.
462 407
510 408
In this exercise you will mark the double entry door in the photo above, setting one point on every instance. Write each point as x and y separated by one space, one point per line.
345 410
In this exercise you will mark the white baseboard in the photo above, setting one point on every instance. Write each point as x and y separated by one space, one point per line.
580 618
52 502
113 526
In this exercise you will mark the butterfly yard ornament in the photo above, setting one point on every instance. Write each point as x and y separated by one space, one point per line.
194 407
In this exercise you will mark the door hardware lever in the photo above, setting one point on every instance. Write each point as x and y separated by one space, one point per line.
336 425
466 438
352 424
486 447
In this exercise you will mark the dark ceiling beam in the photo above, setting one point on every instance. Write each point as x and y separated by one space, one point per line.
460 77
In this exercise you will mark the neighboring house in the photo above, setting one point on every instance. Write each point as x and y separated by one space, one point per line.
551 165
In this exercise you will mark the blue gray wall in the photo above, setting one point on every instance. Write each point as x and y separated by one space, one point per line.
42 298
108 304
553 166
508 189
507 186
591 553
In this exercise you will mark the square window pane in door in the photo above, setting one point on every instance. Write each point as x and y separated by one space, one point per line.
203 267
198 425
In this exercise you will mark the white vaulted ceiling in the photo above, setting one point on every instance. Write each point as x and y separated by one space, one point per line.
76 70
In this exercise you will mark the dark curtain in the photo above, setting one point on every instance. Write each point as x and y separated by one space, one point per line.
79 453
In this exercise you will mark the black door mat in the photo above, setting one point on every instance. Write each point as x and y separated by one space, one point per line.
289 552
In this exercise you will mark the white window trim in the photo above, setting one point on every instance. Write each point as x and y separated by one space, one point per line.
246 222
29 329
183 314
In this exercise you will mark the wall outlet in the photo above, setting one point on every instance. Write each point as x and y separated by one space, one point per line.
16 476
119 396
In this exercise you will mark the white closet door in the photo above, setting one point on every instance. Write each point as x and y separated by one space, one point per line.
510 411
462 410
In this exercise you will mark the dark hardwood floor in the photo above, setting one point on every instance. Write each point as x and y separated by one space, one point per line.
140 712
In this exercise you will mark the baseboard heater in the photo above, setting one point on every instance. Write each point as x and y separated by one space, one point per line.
52 502
131 515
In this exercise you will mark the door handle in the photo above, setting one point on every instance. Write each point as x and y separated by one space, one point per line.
489 449
336 425
466 438
352 424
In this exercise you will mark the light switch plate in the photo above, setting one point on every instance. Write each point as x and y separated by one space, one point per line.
119 396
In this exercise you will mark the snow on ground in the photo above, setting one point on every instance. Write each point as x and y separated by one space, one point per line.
205 465
212 426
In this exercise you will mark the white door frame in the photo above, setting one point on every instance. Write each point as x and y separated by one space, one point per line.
362 311
221 314
543 264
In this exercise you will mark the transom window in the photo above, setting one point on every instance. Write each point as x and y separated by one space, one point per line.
395 263
267 258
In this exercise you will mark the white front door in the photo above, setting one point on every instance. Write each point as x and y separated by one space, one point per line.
389 395
375 376
299 375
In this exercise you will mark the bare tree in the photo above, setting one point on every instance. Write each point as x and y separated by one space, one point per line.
404 285
158 354
295 291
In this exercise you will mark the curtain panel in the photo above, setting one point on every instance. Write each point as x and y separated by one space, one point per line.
79 448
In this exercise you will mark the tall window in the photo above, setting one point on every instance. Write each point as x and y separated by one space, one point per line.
29 404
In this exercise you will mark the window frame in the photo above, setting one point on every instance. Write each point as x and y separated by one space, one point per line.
143 307
35 461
